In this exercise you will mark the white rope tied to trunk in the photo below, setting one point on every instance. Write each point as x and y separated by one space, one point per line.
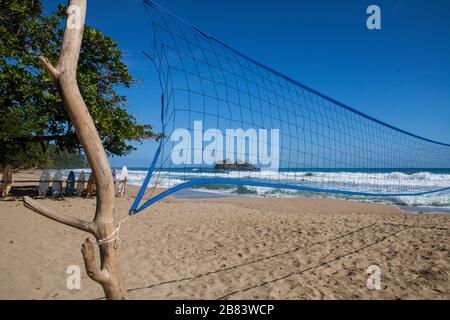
114 236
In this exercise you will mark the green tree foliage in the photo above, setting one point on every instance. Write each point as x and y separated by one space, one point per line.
32 156
29 157
30 105
63 159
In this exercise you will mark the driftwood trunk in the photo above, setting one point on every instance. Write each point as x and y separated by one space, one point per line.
108 274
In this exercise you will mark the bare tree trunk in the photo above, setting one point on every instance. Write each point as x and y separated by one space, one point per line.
109 273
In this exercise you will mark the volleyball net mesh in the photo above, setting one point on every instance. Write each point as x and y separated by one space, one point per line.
230 121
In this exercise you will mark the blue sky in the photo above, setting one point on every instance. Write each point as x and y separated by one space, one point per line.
399 74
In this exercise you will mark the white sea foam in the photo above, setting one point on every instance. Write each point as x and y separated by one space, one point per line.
357 181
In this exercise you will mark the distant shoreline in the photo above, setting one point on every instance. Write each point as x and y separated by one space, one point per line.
438 203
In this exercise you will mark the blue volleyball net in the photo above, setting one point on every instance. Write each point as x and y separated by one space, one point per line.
229 121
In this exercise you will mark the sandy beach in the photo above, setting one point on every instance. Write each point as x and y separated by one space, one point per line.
233 248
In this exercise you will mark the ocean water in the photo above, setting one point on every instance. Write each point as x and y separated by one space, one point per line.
381 181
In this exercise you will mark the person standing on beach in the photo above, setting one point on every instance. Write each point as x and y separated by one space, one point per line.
114 175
